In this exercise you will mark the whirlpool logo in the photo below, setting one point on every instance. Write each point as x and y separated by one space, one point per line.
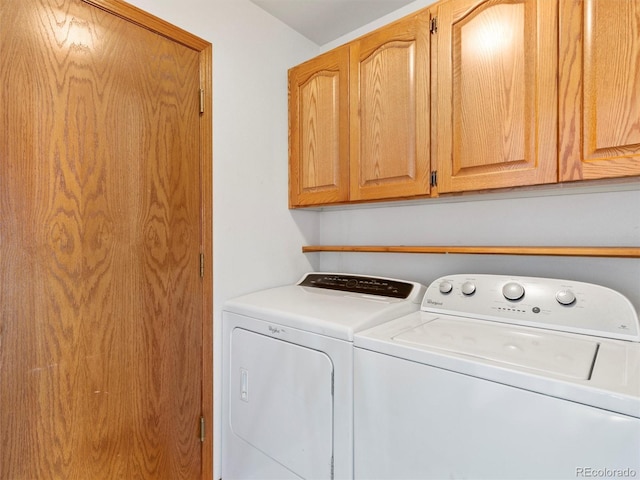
275 330
434 302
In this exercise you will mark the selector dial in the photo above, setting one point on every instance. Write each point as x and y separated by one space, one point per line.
565 297
445 287
468 288
513 291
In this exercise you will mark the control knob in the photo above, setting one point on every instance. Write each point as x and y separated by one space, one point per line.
565 297
513 291
445 287
468 288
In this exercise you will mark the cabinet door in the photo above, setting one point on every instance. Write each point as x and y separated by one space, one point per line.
599 89
496 94
390 111
319 130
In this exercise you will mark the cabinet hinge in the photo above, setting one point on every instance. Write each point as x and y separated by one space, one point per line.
202 265
202 429
201 100
433 28
434 178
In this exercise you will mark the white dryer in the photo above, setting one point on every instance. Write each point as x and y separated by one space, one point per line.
501 377
287 403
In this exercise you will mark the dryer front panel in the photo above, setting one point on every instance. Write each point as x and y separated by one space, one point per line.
281 401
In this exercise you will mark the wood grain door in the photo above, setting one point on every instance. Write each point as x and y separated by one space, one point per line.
389 98
101 300
319 130
599 89
496 94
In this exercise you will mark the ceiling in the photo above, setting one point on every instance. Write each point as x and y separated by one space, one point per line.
322 21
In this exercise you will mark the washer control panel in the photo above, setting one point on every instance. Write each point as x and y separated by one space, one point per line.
554 304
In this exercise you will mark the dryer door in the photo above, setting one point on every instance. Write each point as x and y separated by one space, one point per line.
281 401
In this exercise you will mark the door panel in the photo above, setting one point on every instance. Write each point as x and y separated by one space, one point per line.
488 68
390 111
319 130
599 84
496 94
100 296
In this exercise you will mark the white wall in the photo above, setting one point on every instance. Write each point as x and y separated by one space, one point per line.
257 241
553 217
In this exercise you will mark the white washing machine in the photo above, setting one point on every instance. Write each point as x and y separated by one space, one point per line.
501 377
287 367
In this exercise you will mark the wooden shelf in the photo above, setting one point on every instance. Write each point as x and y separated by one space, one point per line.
620 252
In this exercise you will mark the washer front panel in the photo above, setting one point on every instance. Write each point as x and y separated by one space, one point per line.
416 421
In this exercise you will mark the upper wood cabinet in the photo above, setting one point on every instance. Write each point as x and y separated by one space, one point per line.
359 119
389 105
319 130
599 89
504 93
495 113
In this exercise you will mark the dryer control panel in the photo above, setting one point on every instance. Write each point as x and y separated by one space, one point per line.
554 304
359 284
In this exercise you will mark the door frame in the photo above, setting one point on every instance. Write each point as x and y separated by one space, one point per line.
205 50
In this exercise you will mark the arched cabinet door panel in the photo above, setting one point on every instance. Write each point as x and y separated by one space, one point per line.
319 130
389 97
496 95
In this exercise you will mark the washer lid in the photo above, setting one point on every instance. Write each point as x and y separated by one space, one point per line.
542 351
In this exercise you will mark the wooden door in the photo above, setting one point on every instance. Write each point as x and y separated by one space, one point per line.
496 94
599 85
101 300
319 130
389 98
